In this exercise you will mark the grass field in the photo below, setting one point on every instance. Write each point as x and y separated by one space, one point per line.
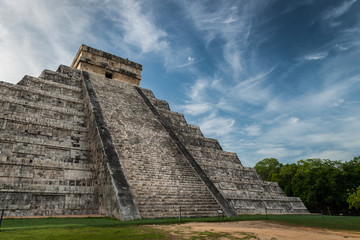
107 228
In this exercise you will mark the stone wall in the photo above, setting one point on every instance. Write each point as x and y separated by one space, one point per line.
44 152
107 65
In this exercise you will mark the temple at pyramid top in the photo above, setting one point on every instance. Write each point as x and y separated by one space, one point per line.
108 65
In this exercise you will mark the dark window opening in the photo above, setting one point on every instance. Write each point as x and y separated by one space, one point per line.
108 75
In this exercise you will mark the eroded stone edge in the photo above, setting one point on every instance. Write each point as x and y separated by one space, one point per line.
129 210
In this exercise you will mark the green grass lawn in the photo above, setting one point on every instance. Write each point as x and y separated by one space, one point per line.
108 228
350 223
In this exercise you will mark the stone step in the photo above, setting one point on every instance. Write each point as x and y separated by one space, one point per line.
34 181
252 195
229 174
142 195
171 191
180 202
190 140
183 181
48 164
70 72
213 163
49 189
7 101
51 86
165 184
60 77
176 209
249 184
38 144
159 104
31 181
188 130
50 123
44 133
167 172
215 155
172 118
14 92
51 212
18 122
148 93
170 214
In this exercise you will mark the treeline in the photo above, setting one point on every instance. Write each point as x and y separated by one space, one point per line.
321 184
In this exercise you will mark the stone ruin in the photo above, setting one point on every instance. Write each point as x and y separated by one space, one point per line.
87 140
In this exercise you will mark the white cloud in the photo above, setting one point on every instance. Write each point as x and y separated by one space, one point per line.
198 89
196 108
339 10
253 130
190 61
197 102
39 34
293 120
278 152
228 23
137 24
331 154
316 56
217 126
254 90
338 102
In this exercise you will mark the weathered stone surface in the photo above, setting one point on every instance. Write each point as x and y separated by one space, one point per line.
85 142
108 65
45 165
162 181
241 186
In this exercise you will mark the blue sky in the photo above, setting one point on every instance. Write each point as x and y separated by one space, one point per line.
266 78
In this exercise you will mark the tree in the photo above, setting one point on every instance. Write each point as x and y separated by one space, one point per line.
286 174
354 199
316 182
351 173
320 183
268 169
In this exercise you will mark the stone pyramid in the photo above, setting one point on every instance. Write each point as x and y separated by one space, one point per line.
87 140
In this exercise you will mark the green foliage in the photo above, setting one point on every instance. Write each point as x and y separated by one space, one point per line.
286 174
354 199
320 183
268 169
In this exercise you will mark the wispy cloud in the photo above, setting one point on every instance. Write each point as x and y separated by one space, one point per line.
35 35
197 102
316 56
338 11
227 22
138 25
217 126
190 61
253 130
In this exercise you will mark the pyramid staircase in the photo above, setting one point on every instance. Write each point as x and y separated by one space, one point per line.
241 186
162 182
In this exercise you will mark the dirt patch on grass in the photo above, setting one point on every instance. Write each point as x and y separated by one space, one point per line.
253 230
